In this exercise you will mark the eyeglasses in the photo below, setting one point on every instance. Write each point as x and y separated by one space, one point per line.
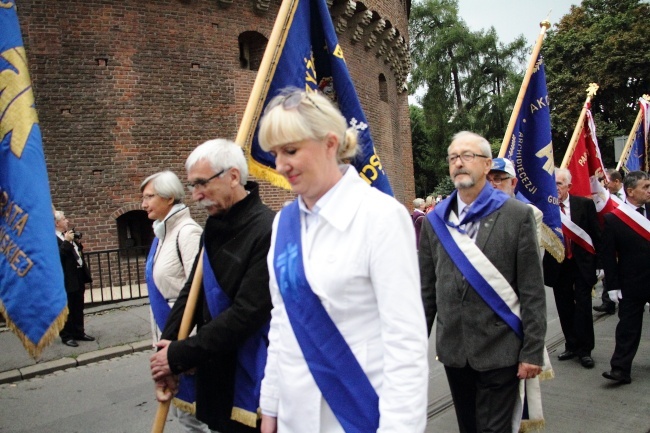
201 183
147 197
498 180
291 101
465 156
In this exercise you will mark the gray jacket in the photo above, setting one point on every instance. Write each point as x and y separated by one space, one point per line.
468 330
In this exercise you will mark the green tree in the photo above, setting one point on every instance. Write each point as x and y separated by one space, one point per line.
605 42
467 81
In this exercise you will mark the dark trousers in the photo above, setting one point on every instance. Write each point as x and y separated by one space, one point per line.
74 326
628 333
605 295
573 302
484 400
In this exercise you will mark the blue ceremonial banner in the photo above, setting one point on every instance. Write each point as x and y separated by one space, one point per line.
32 295
311 58
637 157
530 149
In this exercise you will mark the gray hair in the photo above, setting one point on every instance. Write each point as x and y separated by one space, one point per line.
418 202
58 215
221 154
313 117
166 184
483 144
565 172
632 178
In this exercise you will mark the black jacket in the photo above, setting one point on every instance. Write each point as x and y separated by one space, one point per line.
237 245
74 277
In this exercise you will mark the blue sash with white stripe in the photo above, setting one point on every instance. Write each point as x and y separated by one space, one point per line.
161 309
336 371
488 201
251 353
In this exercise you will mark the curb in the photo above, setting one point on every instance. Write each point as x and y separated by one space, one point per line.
48 367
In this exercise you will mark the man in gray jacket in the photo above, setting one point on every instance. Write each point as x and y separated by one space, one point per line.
481 277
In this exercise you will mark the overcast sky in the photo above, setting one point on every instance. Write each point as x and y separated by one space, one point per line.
512 18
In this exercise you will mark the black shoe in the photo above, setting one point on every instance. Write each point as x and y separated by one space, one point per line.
618 376
587 361
86 337
567 354
606 308
71 343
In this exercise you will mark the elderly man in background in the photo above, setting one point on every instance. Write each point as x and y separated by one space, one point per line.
75 277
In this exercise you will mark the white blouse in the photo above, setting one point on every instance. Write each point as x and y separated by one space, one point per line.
360 259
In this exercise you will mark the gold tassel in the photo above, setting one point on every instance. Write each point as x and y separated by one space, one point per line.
244 416
552 243
546 375
263 172
185 406
52 332
532 425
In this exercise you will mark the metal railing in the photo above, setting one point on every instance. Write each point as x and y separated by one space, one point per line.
117 274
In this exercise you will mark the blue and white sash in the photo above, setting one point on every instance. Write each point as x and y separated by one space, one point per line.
481 274
186 397
251 353
336 371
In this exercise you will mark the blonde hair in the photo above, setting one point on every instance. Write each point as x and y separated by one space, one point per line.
313 117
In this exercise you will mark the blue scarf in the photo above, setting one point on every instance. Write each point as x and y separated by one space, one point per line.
335 369
161 310
488 201
251 353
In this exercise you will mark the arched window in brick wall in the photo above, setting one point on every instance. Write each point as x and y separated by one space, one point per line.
251 49
383 88
134 230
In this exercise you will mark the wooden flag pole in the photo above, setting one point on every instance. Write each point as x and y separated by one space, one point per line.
251 113
524 86
183 332
265 72
625 154
591 92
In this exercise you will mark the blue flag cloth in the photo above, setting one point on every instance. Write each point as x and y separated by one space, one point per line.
185 398
530 149
251 353
637 159
32 295
312 59
337 372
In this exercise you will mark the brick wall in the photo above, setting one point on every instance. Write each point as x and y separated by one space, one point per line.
128 88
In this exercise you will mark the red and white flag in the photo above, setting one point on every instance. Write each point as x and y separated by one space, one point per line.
586 167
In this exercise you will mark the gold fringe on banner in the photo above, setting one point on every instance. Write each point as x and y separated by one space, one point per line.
52 332
185 406
552 243
532 425
263 172
244 416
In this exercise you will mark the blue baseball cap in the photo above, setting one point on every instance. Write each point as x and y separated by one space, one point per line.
504 165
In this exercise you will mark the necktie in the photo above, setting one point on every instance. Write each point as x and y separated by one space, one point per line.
470 228
567 242
641 210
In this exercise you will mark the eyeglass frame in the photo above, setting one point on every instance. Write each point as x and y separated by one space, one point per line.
465 157
499 181
148 197
289 101
202 183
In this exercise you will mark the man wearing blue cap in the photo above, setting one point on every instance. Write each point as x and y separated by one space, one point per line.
502 176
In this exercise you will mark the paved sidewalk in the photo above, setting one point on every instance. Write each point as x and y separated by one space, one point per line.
119 329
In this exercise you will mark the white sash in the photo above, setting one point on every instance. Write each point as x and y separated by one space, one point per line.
580 236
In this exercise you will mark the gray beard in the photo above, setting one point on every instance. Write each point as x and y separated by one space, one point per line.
464 184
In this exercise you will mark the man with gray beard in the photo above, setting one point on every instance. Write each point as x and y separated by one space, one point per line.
482 282
234 308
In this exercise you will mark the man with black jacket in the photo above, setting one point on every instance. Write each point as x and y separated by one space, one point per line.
233 310
75 277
